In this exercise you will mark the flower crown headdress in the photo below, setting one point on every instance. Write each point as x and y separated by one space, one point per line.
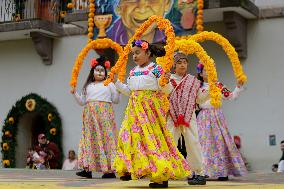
94 63
199 67
139 43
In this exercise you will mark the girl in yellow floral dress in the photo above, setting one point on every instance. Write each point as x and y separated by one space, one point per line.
145 146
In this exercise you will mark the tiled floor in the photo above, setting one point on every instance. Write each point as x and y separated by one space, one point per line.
56 179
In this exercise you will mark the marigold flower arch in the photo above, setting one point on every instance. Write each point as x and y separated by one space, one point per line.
163 24
95 44
192 47
227 47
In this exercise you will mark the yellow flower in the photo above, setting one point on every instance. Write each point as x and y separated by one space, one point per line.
5 146
30 104
49 117
6 162
11 120
63 14
70 6
53 131
8 134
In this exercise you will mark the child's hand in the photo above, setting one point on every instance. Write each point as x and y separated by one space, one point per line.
72 91
168 76
240 84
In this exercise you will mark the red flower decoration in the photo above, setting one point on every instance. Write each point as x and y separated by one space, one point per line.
226 94
144 45
94 62
107 64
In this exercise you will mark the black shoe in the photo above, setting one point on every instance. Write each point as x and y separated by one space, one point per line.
223 178
126 177
197 180
108 175
190 178
86 174
159 185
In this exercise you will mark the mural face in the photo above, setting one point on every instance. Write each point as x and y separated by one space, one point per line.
128 15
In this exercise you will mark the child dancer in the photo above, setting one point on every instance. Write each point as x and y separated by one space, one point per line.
221 156
182 118
97 148
145 146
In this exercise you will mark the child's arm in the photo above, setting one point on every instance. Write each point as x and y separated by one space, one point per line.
227 94
123 88
115 95
158 72
80 98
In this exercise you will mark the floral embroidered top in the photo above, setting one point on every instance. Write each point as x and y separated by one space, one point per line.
98 92
143 78
203 96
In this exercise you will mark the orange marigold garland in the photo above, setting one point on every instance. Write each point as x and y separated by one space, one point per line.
192 47
227 47
199 19
95 44
91 20
163 24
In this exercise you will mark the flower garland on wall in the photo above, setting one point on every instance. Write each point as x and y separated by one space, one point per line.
91 20
163 24
28 104
95 44
192 47
199 19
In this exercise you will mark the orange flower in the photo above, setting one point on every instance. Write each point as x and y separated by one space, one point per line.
70 6
199 20
91 20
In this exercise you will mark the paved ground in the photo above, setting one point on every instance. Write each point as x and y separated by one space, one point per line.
53 179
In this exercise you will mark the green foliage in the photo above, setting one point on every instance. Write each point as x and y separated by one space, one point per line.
51 119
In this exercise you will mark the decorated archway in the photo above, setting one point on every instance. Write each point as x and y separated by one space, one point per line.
31 103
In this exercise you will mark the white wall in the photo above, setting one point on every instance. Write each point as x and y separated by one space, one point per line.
268 3
255 115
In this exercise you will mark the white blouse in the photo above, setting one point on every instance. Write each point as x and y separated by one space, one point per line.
67 165
143 78
203 96
98 92
281 166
